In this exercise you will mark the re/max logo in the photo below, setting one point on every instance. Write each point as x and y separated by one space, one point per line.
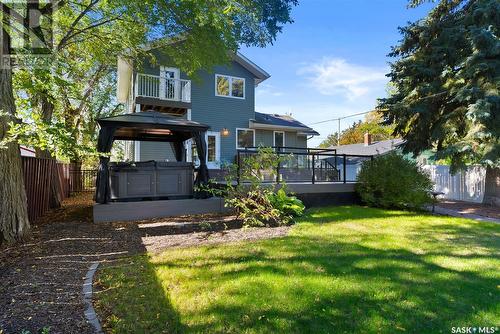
27 26
474 330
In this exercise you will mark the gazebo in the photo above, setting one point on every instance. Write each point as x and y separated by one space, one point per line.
149 126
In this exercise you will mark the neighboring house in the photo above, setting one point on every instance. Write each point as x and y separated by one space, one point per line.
223 99
367 148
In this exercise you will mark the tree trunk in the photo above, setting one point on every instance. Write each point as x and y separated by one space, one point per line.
14 222
492 187
47 109
76 175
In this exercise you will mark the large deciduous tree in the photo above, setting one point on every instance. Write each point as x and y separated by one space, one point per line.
446 83
14 221
89 35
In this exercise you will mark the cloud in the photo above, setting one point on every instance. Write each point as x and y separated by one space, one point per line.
336 76
267 89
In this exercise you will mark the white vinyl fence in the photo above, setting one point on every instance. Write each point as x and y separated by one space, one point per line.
465 185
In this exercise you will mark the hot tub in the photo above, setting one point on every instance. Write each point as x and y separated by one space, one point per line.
150 180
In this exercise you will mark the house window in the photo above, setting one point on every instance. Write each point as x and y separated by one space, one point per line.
211 148
194 154
279 139
238 87
245 138
229 86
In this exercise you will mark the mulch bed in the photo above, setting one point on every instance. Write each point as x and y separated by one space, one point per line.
41 278
158 243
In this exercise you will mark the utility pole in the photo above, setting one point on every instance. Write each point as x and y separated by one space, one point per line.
339 119
338 134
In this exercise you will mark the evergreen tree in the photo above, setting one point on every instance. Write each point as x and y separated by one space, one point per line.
445 83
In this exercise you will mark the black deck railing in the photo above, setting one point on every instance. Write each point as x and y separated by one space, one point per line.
311 165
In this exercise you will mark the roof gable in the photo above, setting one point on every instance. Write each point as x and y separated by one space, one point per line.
259 74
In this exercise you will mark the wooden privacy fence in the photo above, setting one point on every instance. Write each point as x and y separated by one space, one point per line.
48 182
42 178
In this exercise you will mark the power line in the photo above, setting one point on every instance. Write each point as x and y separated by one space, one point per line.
341 118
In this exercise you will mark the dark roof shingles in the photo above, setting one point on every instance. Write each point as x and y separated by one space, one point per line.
283 121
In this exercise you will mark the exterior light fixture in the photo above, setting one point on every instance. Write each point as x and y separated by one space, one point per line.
224 132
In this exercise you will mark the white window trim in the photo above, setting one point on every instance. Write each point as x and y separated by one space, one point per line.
230 79
137 151
237 129
274 138
214 164
188 143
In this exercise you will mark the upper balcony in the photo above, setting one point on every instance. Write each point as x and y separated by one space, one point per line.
163 94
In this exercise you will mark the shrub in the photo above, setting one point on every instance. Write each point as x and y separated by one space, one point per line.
255 209
391 181
290 205
254 203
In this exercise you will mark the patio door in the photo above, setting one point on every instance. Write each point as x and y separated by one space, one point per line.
212 139
170 82
213 149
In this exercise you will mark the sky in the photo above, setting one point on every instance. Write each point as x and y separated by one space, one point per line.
331 62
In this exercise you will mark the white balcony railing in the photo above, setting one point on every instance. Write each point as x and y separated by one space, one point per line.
163 88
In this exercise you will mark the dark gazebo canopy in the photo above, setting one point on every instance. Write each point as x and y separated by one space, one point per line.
148 126
151 126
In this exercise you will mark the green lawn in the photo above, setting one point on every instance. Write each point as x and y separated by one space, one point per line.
341 270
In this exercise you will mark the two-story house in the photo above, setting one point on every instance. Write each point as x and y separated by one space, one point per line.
223 99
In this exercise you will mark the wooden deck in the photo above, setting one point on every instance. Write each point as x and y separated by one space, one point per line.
134 211
319 194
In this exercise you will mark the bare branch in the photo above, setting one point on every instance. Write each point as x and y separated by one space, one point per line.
80 31
75 22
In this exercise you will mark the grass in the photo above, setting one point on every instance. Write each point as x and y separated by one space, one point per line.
341 270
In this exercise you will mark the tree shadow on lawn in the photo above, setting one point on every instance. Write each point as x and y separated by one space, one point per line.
468 233
354 289
130 299
318 284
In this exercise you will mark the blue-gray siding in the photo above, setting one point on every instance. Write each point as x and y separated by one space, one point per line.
218 112
156 151
223 112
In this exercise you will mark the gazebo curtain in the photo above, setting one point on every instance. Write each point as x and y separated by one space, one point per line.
104 144
178 148
202 175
